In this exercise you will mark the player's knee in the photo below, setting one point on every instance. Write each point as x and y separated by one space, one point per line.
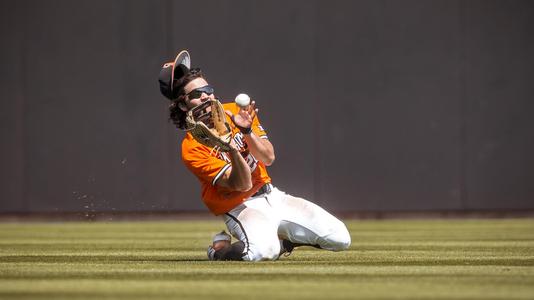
339 239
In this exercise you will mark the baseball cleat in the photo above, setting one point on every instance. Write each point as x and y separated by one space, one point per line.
222 236
286 247
211 253
220 240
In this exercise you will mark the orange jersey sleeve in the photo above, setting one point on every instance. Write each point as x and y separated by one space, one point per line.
209 166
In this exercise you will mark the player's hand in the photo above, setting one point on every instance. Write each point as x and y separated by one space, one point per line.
244 118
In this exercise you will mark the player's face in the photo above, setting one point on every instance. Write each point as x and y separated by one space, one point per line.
197 91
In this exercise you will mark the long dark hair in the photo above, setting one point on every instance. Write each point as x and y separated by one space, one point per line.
177 115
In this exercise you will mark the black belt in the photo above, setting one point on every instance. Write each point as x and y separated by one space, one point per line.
265 189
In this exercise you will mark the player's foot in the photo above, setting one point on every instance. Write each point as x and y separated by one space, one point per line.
220 240
286 247
211 253
221 237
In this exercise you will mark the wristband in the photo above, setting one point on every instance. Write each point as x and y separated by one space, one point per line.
245 130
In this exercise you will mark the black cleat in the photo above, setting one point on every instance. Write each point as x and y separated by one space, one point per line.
286 247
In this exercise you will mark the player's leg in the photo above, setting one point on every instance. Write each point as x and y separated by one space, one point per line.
303 222
254 223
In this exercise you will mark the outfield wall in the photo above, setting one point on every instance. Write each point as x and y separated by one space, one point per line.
371 105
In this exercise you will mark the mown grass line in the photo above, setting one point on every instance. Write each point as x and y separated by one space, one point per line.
394 259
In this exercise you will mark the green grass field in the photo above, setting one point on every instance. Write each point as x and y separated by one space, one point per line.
394 259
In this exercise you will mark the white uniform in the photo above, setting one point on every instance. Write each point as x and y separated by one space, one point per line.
262 221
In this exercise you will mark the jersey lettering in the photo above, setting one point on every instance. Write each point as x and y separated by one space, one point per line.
251 161
224 156
238 138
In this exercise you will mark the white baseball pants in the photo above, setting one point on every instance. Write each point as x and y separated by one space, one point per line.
261 222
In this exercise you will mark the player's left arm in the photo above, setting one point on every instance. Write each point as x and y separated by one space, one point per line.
261 148
246 119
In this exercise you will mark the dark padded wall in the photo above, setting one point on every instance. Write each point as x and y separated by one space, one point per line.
371 105
398 106
498 123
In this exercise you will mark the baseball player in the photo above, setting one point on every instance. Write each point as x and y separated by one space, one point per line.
265 221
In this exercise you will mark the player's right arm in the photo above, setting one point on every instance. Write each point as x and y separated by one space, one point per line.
237 177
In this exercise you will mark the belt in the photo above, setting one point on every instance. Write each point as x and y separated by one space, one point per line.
265 189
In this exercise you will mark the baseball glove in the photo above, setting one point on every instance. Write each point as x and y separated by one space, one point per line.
207 123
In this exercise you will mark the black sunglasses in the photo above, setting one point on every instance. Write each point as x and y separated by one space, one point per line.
196 93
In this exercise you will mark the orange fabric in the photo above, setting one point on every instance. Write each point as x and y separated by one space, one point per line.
208 167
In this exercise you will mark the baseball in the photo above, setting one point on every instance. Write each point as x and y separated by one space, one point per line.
242 100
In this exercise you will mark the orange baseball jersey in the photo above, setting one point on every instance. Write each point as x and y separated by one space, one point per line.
208 166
